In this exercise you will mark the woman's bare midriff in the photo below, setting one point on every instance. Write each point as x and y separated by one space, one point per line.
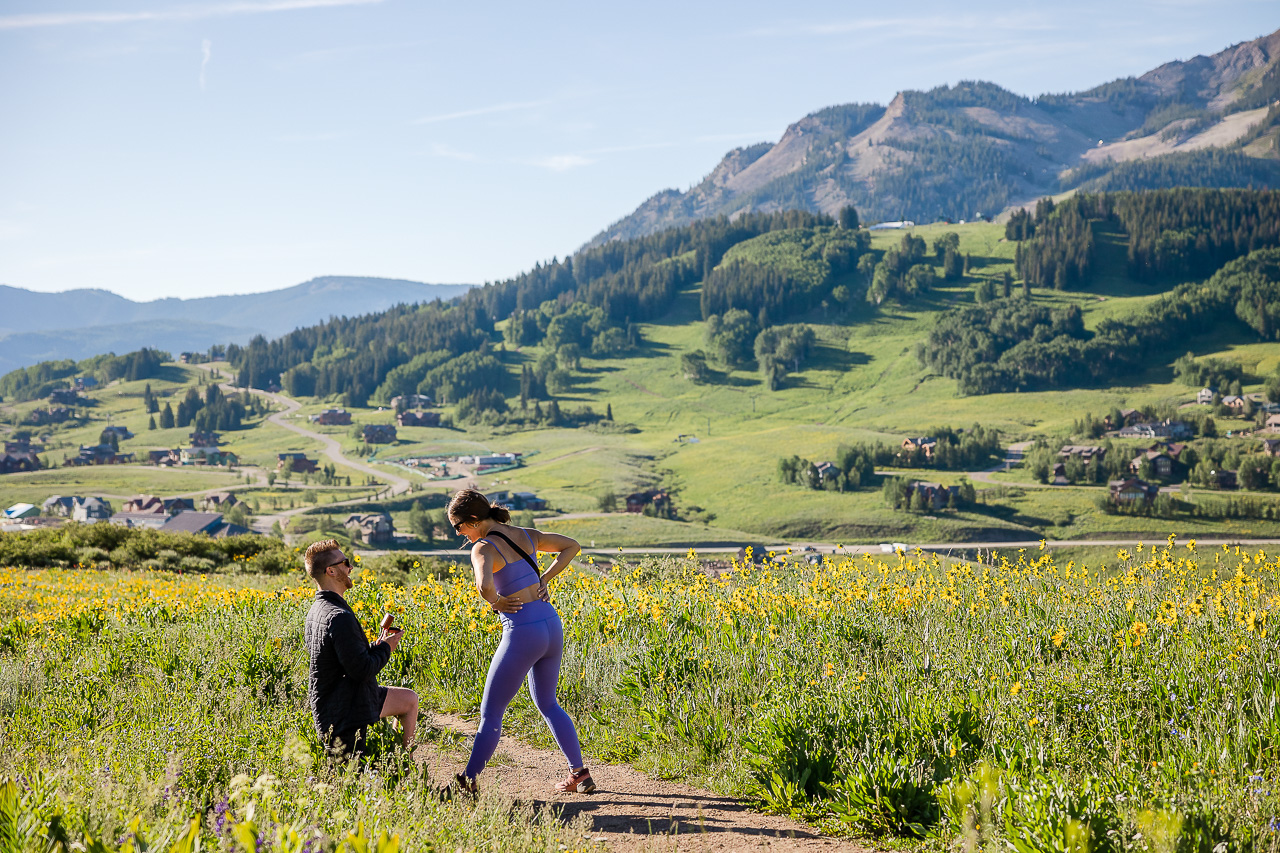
527 595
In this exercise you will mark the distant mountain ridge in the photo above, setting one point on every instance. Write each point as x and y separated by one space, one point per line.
77 324
976 149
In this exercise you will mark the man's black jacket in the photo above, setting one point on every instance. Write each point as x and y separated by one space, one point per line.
343 689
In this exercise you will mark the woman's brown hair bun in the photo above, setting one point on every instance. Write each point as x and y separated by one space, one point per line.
470 505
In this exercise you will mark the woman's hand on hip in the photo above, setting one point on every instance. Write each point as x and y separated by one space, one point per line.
544 593
508 604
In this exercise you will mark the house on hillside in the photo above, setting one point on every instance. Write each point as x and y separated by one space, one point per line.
218 500
374 528
51 415
1271 446
379 433
208 523
13 462
298 462
411 401
207 456
1176 430
91 511
1086 452
23 510
22 445
99 454
1234 402
1161 463
152 505
164 458
414 419
517 500
490 460
83 382
1131 489
121 433
65 397
1225 479
332 417
205 438
936 494
60 505
529 501
1273 422
143 504
149 520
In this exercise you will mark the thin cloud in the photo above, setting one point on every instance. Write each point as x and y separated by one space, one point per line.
909 27
759 135
321 136
621 149
560 162
206 53
454 154
510 106
181 13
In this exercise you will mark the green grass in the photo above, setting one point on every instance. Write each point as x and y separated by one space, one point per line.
631 530
873 697
110 481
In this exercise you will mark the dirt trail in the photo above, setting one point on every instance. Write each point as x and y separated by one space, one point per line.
629 811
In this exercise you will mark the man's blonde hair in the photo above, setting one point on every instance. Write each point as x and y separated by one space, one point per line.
324 546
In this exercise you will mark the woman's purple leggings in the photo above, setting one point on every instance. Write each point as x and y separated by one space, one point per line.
534 648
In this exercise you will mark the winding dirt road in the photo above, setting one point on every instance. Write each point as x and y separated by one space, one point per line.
332 449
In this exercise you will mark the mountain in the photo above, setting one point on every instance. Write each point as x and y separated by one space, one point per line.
79 323
975 149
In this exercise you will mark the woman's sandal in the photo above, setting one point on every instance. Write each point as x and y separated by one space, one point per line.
579 782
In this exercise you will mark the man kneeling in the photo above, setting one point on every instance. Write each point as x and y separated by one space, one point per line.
343 689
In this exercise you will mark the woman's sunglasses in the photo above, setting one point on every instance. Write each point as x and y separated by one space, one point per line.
457 528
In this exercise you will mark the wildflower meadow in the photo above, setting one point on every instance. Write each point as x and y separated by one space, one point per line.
1015 703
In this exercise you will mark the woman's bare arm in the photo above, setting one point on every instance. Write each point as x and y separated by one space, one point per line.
562 546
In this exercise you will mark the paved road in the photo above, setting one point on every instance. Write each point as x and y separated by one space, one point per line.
933 547
1012 457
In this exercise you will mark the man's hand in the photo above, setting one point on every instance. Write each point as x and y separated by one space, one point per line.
508 604
391 636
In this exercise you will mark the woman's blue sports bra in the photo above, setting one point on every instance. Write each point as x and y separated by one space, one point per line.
513 577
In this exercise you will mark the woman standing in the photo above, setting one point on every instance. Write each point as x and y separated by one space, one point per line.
532 638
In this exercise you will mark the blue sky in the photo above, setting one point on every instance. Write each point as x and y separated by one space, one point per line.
187 149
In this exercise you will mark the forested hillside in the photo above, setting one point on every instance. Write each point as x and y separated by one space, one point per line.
585 304
511 351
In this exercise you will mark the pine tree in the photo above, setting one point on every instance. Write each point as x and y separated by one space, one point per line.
166 417
151 423
608 411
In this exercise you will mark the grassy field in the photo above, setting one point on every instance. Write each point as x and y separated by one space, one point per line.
1113 702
